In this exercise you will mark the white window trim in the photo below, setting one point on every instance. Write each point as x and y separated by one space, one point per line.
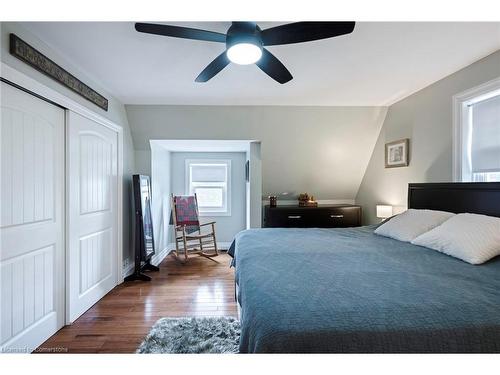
227 212
461 113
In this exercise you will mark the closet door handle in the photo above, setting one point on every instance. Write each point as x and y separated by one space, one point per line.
336 216
294 216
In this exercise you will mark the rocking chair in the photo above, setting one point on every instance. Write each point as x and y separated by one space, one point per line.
187 228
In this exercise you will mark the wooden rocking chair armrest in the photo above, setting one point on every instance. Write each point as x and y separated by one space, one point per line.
209 223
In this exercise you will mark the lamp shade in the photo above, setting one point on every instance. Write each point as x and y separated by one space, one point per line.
384 211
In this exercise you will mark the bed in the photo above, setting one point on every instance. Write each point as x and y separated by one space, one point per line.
351 291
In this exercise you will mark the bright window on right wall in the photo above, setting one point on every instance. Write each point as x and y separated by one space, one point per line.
477 134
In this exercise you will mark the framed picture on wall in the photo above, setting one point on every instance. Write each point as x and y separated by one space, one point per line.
397 153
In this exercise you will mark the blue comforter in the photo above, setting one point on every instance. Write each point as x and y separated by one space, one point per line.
349 290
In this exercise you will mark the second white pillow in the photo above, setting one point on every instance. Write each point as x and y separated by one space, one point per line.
470 237
412 223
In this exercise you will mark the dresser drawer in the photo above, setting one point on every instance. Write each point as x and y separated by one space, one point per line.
341 217
289 218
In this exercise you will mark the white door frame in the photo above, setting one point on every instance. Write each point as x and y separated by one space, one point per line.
21 79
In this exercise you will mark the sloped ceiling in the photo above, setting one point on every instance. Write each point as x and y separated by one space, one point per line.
321 150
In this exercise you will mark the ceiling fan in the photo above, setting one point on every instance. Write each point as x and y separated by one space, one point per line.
245 43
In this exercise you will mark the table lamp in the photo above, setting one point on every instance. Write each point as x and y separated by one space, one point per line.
384 211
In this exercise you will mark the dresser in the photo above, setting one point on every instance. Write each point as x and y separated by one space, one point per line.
323 216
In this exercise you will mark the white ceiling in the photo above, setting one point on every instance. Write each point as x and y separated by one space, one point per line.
378 64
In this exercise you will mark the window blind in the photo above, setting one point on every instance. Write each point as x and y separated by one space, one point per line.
485 145
208 173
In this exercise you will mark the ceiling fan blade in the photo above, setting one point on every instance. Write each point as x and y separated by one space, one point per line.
213 68
270 65
180 32
299 32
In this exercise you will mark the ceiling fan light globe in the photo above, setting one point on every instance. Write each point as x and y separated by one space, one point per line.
244 53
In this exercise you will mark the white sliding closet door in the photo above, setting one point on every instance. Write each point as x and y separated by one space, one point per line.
31 220
92 168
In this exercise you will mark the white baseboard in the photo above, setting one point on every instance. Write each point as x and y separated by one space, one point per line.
128 269
223 245
158 257
155 260
220 245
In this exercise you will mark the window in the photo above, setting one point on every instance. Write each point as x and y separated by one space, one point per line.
477 134
485 139
210 181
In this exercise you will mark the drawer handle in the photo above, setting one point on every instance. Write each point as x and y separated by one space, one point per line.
294 216
336 216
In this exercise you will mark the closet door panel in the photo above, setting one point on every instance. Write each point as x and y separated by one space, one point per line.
92 156
31 219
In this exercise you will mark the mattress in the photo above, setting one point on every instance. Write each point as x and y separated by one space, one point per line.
351 291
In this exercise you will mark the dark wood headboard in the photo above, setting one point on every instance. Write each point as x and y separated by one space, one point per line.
458 197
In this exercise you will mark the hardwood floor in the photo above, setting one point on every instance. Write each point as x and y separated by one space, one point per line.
119 321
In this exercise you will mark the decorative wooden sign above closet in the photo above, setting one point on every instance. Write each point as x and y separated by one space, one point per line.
23 51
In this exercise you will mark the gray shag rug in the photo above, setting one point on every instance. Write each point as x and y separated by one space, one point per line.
192 335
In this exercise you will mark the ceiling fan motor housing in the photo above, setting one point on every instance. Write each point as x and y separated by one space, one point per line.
244 32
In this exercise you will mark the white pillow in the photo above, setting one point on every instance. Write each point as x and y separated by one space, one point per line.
412 223
470 237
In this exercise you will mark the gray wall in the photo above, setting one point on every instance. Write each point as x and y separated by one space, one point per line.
227 226
116 112
426 118
143 162
322 150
